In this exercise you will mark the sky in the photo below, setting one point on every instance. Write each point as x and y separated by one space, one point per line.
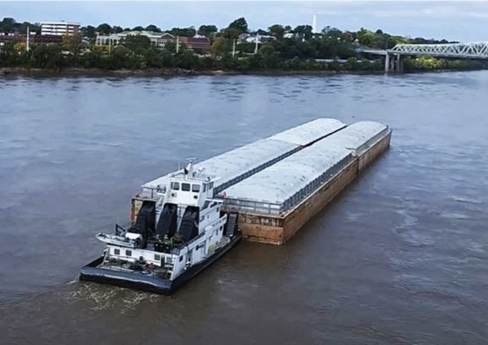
464 21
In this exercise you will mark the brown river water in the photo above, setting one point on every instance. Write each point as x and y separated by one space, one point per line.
399 258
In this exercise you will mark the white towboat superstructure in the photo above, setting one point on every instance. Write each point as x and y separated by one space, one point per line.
172 239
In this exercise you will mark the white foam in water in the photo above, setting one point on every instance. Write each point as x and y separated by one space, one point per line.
102 297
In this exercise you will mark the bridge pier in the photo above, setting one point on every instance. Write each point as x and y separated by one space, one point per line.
393 63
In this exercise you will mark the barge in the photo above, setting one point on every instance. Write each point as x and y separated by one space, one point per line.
276 202
264 191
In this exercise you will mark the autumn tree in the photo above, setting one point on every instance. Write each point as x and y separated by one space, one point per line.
20 47
219 47
72 43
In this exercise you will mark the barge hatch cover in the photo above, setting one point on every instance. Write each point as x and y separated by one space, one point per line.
278 188
238 164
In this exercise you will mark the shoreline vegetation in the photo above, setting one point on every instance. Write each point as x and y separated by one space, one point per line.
283 51
73 72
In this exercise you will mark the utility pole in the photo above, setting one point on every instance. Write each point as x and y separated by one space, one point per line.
27 39
234 48
256 48
177 44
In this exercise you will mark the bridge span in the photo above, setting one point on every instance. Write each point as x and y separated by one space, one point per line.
393 56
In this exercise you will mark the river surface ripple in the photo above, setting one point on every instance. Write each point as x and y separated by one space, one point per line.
399 258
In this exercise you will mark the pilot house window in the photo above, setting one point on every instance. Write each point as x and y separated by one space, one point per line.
195 188
175 185
185 187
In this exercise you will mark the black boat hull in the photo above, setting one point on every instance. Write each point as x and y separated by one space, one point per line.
91 272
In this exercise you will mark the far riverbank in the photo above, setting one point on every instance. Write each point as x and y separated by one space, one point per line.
178 72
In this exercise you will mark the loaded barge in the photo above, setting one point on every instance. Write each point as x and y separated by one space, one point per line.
264 191
276 202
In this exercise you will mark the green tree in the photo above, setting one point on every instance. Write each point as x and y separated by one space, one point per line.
7 24
121 57
88 31
184 32
277 30
303 32
104 29
188 60
207 30
47 56
153 28
22 28
231 33
240 25
117 29
136 43
367 38
269 58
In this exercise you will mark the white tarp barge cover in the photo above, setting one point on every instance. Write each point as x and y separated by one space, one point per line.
237 162
284 179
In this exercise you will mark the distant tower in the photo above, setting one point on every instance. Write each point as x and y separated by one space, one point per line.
314 24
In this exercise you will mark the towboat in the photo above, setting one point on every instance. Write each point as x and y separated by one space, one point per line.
173 239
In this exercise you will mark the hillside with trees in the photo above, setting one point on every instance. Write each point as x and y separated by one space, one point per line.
288 49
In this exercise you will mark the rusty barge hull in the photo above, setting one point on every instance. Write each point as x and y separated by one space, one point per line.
278 229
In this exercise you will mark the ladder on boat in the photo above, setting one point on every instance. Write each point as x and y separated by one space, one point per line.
231 225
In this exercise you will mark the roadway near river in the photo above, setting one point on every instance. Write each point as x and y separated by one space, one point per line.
400 257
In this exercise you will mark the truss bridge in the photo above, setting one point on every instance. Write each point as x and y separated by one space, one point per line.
473 50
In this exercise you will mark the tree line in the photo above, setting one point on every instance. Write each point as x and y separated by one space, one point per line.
291 49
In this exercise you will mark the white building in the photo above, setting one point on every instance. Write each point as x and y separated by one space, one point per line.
59 28
157 39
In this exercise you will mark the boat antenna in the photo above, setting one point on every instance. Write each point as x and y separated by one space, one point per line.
189 167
